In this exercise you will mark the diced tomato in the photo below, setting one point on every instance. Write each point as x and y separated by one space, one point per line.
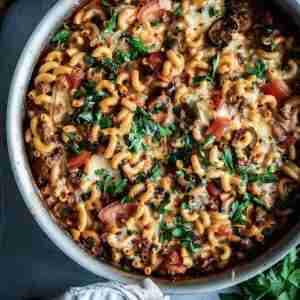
155 60
149 11
224 231
75 78
174 263
79 160
213 190
218 127
288 141
115 211
277 88
174 258
217 101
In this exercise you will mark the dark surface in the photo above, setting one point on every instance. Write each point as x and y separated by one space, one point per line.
31 267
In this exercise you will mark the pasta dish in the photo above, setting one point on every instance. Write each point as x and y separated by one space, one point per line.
162 134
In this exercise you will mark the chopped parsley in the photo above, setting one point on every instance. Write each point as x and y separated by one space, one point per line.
162 208
211 76
110 68
281 282
121 57
73 145
138 46
155 172
182 231
103 121
259 70
155 23
213 12
111 24
127 199
109 185
239 209
143 125
248 175
61 37
178 10
89 114
229 160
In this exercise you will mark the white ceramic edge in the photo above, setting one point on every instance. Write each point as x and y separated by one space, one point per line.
23 177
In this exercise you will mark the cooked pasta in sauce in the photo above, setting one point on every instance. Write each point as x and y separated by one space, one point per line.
162 134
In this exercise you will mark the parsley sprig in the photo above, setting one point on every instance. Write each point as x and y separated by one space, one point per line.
239 208
281 282
88 114
144 126
109 185
211 76
181 230
61 36
259 70
248 175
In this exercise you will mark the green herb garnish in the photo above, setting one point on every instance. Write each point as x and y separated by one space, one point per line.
111 24
143 125
109 185
61 37
163 205
281 282
248 175
259 70
229 160
178 10
212 12
211 76
88 114
238 209
127 199
138 45
155 172
155 23
182 231
103 121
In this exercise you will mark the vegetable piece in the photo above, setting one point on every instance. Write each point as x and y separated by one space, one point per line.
212 74
178 10
111 24
213 190
155 172
149 12
278 283
277 88
61 37
155 60
288 141
75 78
217 101
218 127
138 46
115 212
228 160
79 160
213 12
174 263
259 70
109 185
